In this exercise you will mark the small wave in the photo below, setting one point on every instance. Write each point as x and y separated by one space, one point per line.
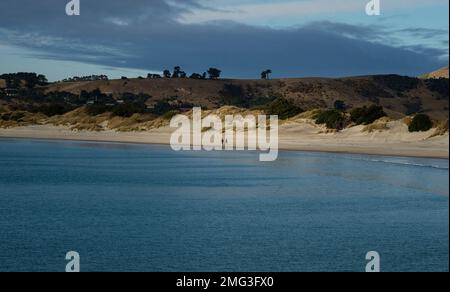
408 163
388 160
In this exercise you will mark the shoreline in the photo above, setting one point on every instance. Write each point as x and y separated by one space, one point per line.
56 140
330 143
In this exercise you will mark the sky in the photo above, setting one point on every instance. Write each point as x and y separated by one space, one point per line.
294 38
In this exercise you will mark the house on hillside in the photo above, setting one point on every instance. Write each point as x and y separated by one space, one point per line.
10 92
150 105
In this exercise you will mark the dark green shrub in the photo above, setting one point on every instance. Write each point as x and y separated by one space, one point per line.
367 115
283 108
340 105
333 119
97 109
5 116
128 109
420 123
162 107
170 114
17 116
13 116
53 109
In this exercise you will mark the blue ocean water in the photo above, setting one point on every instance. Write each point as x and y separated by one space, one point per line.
146 208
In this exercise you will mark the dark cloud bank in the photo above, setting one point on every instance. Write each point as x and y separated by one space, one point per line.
146 35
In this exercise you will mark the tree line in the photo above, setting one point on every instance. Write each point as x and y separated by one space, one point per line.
29 80
212 74
86 78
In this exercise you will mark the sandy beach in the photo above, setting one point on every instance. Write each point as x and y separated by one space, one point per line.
300 135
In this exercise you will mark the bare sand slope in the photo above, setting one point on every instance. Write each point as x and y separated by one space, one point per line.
395 140
297 134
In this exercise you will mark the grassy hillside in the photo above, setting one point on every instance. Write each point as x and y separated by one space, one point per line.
441 73
398 95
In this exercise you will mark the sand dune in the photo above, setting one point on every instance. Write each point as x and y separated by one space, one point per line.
395 140
296 134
